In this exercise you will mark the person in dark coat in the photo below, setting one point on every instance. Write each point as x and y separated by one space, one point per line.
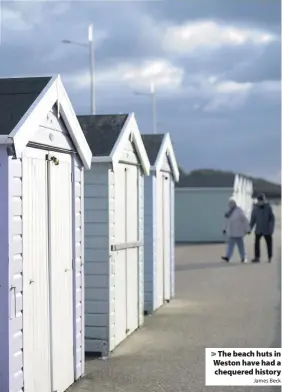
263 220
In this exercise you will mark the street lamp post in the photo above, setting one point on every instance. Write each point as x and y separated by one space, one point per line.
90 47
152 93
154 112
91 55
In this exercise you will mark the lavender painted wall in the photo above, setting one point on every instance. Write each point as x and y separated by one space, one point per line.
15 275
4 270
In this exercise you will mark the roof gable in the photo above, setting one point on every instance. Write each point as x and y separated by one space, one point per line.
111 133
152 143
159 147
27 118
102 132
166 163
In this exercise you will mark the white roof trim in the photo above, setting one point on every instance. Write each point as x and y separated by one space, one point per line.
31 120
130 130
167 149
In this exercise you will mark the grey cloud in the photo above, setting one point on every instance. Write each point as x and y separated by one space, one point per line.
241 140
247 139
256 12
127 40
126 35
225 63
266 66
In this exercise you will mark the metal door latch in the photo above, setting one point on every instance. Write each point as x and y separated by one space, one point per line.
53 159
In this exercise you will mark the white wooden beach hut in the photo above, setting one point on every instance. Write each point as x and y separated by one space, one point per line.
114 230
43 153
159 221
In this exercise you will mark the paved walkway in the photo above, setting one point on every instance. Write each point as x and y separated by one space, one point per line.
217 305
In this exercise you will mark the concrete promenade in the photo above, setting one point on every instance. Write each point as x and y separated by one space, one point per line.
216 305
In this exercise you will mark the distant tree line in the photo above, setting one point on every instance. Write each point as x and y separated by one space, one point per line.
222 179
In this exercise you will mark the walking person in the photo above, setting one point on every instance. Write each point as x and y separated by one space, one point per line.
263 220
237 226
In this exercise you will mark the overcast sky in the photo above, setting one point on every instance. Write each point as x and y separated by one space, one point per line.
215 63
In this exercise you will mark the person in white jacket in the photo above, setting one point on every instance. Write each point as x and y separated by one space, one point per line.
237 226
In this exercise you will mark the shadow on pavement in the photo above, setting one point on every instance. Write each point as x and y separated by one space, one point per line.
199 266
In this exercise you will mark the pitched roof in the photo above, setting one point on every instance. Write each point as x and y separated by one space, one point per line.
16 96
24 102
152 145
102 131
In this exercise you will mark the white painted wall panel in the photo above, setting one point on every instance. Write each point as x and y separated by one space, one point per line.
120 293
54 122
129 154
120 257
36 315
52 138
141 248
166 165
53 132
61 270
172 237
132 256
79 257
160 268
166 236
159 238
